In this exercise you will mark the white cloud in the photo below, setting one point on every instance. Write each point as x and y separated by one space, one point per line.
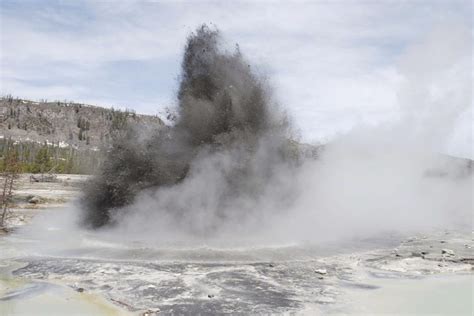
334 64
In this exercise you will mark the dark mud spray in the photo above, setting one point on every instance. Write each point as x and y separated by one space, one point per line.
221 155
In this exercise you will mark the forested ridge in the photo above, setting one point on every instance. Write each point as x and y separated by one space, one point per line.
60 136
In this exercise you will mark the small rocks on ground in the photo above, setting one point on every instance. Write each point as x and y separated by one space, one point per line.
210 295
80 290
447 252
150 312
321 271
34 200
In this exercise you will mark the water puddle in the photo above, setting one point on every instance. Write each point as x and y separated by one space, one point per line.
432 295
23 297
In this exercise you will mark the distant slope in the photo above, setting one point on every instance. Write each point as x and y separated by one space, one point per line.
65 124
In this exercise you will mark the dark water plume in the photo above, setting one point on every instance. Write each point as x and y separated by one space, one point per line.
225 112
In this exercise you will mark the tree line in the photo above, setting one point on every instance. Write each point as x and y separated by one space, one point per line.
32 157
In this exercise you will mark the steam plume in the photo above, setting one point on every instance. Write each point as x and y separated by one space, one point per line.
227 169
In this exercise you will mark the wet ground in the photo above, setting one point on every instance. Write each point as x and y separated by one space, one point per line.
57 272
294 279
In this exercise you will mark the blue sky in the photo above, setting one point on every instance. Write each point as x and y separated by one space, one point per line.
333 64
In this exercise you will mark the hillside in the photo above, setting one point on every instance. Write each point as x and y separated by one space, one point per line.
66 124
61 137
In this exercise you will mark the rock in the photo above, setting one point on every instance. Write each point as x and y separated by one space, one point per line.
442 241
34 200
80 290
150 312
447 252
321 278
321 271
395 253
271 265
325 300
210 295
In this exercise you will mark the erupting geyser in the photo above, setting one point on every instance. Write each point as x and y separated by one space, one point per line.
227 168
228 138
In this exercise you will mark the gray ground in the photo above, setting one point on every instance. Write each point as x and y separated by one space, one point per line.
305 279
32 197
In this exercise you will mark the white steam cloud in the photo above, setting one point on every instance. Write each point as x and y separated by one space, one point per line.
370 181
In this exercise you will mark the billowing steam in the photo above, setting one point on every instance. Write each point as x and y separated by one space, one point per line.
222 152
229 169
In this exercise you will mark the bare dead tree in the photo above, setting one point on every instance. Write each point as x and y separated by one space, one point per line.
8 176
